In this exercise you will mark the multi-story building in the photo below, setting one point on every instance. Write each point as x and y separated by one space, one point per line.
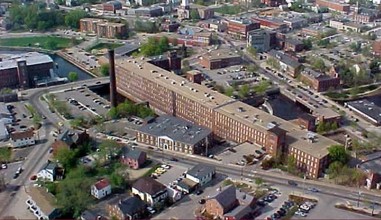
102 28
377 47
169 133
334 5
150 191
101 189
22 138
25 70
129 208
271 23
195 76
222 58
365 15
42 203
344 26
228 118
273 3
262 40
238 28
292 44
318 81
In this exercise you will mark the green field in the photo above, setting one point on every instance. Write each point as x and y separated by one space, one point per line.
40 42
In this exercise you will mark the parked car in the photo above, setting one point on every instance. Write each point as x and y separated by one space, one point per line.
202 201
199 192
313 189
4 166
292 183
302 214
174 159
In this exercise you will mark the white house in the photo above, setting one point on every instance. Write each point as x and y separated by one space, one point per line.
150 191
22 138
101 189
201 174
48 171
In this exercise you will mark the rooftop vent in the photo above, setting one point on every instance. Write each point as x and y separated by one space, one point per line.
173 82
153 71
161 75
166 77
195 90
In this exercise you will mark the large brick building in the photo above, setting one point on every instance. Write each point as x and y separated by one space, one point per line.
273 3
24 70
320 82
228 118
103 28
219 59
238 28
334 5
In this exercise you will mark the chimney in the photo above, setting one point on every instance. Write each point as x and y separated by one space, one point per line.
112 78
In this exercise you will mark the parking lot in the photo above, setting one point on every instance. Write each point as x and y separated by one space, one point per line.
172 174
84 102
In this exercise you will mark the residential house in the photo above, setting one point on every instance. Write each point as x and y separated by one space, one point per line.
91 215
134 158
70 139
371 165
150 191
101 189
22 138
230 203
51 171
287 63
201 174
42 203
127 209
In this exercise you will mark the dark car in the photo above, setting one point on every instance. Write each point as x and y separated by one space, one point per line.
292 183
199 192
202 201
174 159
261 203
24 115
16 175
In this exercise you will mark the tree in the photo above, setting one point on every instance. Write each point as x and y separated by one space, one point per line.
338 153
273 63
51 44
5 91
113 113
194 15
73 192
262 87
72 76
252 68
229 91
104 69
334 169
259 181
244 91
72 18
307 44
154 46
355 46
66 157
318 64
252 50
108 149
117 181
5 154
291 164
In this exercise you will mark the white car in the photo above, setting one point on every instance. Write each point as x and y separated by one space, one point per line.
4 166
301 214
165 166
151 210
305 207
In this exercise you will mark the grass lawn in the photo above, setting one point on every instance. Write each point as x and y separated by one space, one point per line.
37 42
104 46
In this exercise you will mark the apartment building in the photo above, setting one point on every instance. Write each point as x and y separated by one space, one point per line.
262 40
238 28
228 118
102 28
287 63
345 26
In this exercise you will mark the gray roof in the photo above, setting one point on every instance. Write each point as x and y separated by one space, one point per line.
130 205
226 197
126 49
368 108
293 41
284 58
68 136
177 129
3 129
31 59
131 153
148 185
372 165
201 170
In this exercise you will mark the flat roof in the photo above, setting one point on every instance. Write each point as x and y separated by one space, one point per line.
223 104
32 58
220 54
326 112
284 58
367 108
177 129
43 199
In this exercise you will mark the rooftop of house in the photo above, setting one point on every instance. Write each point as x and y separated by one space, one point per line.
201 170
131 153
69 136
176 129
50 165
148 185
284 58
225 196
32 58
373 165
22 134
293 41
43 199
129 205
101 184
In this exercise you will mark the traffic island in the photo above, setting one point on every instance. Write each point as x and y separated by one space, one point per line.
359 210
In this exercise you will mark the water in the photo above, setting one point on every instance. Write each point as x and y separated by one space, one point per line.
285 108
64 67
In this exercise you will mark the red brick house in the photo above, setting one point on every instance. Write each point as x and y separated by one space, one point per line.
133 158
230 203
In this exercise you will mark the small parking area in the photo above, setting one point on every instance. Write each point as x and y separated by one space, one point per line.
173 174
84 102
123 128
243 154
22 117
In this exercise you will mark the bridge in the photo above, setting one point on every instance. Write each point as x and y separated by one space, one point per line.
295 98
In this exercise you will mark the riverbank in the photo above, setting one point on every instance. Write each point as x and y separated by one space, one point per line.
364 92
71 60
